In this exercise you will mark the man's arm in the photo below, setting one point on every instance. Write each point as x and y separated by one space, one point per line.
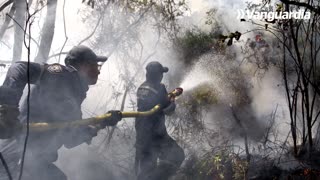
168 105
148 97
11 92
17 77
8 114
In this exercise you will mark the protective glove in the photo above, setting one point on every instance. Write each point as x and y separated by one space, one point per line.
9 123
116 116
170 108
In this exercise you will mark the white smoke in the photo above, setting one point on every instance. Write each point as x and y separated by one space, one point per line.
82 160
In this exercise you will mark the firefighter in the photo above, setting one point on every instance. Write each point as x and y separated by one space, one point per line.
56 96
158 156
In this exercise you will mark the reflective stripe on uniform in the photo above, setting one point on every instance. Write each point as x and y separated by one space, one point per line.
144 92
149 88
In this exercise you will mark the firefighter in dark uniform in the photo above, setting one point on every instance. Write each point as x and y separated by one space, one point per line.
56 96
158 156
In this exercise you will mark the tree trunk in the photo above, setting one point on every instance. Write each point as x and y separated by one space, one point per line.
7 21
5 5
47 32
20 17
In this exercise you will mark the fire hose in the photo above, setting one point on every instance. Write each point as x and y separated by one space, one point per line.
42 127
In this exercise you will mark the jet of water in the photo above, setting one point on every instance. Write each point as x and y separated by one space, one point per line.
195 78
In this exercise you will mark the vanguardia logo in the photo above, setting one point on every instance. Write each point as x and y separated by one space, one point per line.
270 16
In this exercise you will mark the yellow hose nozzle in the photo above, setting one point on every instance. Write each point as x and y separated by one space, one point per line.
175 93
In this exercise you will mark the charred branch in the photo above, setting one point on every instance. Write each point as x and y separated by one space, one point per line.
20 17
305 5
7 20
47 32
6 4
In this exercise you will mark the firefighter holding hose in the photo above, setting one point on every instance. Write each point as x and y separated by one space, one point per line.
158 156
57 120
56 96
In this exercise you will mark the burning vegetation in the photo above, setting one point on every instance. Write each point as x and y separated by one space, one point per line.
250 108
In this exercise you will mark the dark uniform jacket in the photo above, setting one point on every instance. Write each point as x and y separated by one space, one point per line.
56 95
150 129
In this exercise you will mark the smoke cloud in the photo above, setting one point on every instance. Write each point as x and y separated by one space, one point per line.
236 88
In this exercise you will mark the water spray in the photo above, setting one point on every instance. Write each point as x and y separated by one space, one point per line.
195 77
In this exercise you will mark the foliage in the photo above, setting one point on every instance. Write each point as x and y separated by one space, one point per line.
203 95
166 11
299 54
188 119
221 163
301 51
190 113
195 42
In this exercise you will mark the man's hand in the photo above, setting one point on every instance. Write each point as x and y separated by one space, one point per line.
116 116
170 108
9 123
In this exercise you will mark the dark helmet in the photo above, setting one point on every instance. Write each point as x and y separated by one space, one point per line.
81 53
155 67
